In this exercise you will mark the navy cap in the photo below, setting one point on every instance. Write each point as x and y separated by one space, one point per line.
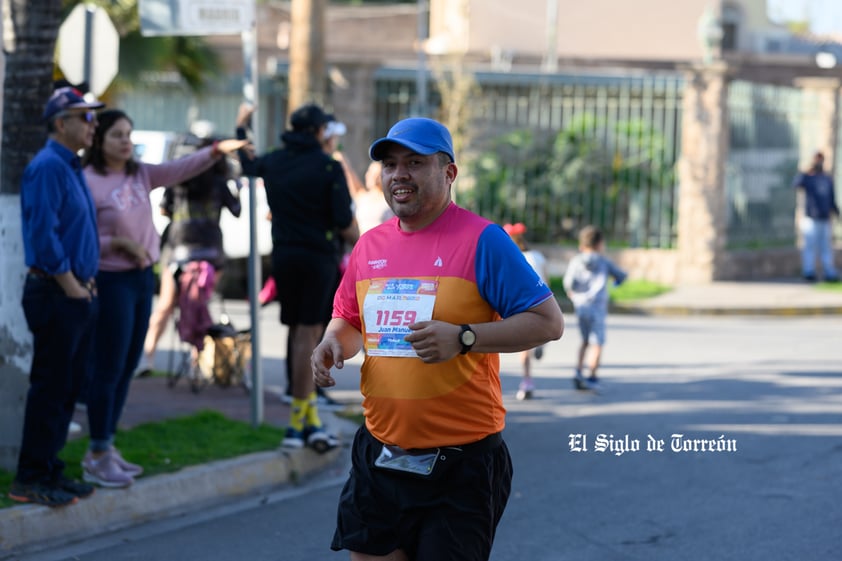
68 98
422 136
308 117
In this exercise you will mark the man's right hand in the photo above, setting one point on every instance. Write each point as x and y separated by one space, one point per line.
324 357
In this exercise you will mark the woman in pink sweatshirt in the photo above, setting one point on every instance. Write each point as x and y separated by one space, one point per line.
129 247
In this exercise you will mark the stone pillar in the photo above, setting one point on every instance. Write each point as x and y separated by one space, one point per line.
701 173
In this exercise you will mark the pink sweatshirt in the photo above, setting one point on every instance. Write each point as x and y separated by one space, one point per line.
123 208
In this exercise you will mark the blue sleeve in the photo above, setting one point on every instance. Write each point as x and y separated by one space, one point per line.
229 200
616 272
249 167
504 278
42 198
798 181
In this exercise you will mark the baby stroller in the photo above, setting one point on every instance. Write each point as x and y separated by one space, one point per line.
218 353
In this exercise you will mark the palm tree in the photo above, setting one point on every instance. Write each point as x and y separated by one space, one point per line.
30 31
30 28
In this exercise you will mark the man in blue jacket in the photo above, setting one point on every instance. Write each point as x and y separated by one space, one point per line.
815 225
61 248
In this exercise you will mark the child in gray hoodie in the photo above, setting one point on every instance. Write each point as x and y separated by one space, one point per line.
586 283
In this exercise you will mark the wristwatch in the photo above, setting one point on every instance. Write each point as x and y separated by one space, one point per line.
467 338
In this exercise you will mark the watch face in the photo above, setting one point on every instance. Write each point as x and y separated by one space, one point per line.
468 338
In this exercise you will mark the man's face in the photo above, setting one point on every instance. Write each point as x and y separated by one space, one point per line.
75 128
416 187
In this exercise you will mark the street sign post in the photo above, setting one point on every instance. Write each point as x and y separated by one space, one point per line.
89 48
223 17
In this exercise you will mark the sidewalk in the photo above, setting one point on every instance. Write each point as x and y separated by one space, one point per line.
29 527
785 297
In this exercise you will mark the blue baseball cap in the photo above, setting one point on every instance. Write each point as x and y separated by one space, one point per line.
423 136
68 98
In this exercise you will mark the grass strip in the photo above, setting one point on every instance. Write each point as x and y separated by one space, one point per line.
170 445
630 290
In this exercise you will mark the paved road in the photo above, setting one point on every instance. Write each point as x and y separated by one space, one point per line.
772 387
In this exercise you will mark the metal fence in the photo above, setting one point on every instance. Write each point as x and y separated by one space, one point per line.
768 126
558 152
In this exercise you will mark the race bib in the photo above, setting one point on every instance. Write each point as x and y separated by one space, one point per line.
390 306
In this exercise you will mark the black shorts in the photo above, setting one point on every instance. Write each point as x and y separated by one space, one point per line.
306 282
451 517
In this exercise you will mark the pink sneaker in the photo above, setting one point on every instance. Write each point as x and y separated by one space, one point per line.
105 472
132 469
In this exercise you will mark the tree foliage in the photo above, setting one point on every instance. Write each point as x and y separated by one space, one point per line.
188 56
610 174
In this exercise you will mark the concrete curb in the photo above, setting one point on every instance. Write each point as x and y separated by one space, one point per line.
783 311
191 489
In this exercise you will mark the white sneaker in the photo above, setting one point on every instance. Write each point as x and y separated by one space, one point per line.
320 440
144 367
293 439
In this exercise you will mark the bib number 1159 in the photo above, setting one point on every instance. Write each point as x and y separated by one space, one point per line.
396 317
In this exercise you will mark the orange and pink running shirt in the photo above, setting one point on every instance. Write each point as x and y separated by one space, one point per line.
461 269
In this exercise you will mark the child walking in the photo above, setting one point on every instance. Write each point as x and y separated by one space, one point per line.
586 283
535 258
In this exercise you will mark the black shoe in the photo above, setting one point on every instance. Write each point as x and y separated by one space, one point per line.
832 279
319 440
41 494
76 488
810 278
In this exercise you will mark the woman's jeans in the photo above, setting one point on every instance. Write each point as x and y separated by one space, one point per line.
818 242
125 304
62 340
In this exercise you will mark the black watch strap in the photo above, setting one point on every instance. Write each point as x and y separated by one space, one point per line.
467 338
